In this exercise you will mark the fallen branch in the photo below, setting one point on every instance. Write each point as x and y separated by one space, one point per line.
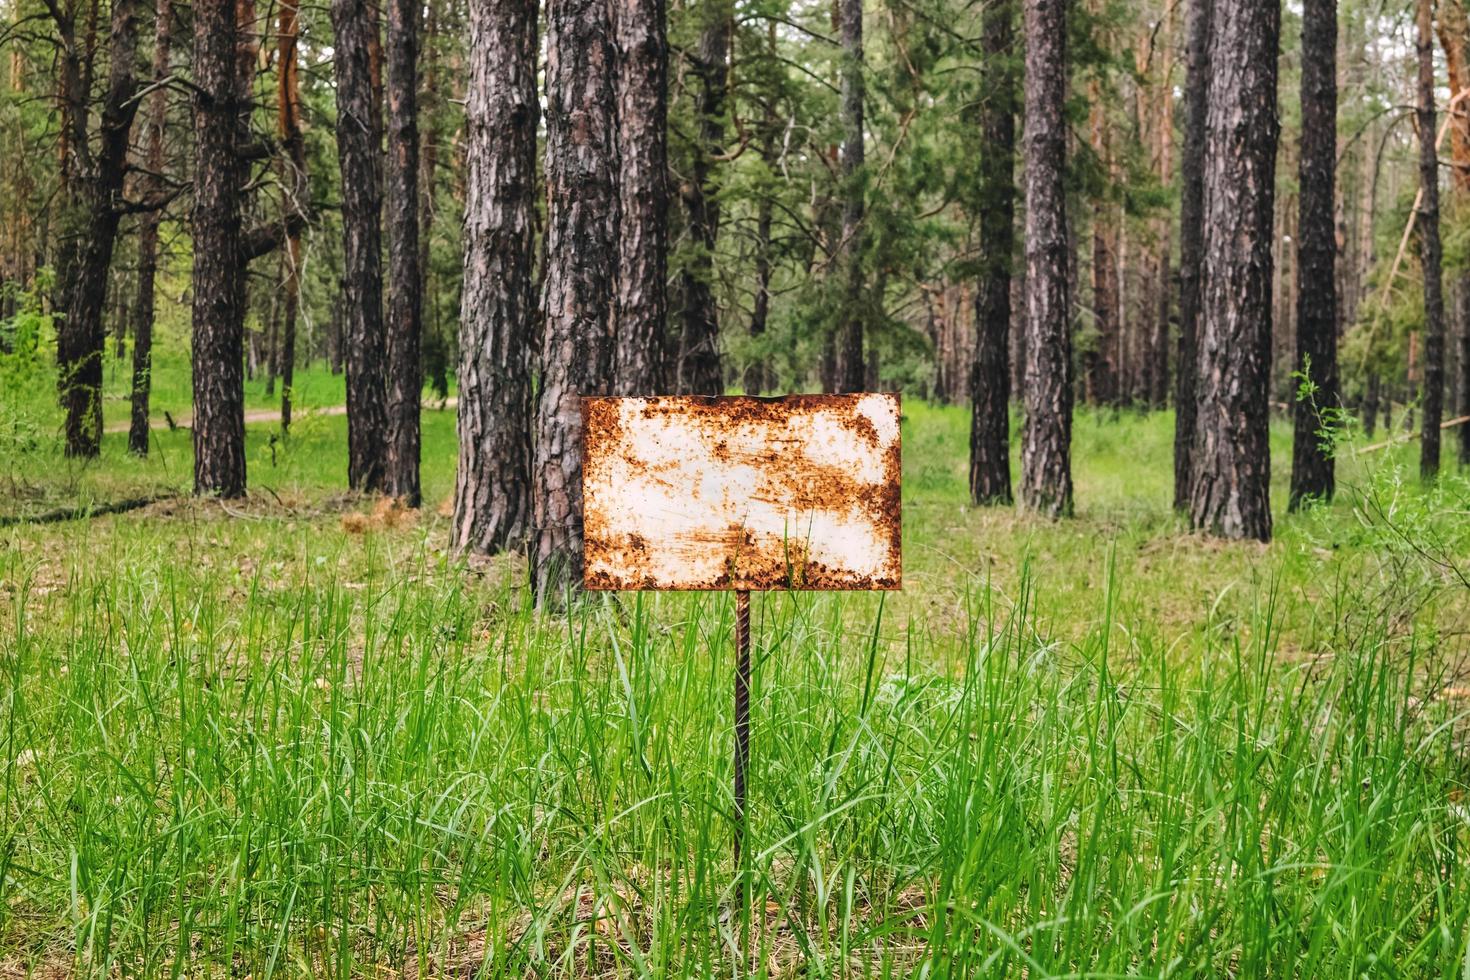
85 511
1410 436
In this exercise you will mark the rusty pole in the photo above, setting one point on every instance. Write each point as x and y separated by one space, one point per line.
742 722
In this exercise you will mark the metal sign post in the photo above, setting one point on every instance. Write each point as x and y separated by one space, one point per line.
745 494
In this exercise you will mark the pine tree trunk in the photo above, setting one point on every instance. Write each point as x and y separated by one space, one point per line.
1231 459
853 312
581 252
1046 437
699 370
1191 242
359 143
1429 251
80 336
405 294
642 306
990 389
1312 475
436 344
492 492
293 180
143 308
219 270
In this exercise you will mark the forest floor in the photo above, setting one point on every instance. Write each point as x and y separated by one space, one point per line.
293 736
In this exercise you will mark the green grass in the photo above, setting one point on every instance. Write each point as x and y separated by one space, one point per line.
257 739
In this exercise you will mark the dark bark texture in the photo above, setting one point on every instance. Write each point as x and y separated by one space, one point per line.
642 305
220 105
293 181
492 489
152 184
1429 252
853 308
1191 241
359 138
1231 460
990 380
699 371
1046 437
581 252
1312 472
80 337
405 287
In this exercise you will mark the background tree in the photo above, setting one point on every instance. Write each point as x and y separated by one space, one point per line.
492 491
405 294
1316 321
698 369
852 364
93 210
581 250
219 258
990 390
1230 463
1046 438
1429 248
1191 240
359 145
642 113
143 308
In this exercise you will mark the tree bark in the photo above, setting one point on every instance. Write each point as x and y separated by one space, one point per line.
699 370
295 188
642 306
80 336
220 103
581 252
1103 363
1231 459
492 490
1312 471
990 388
1046 437
405 295
1191 242
143 309
1429 251
359 141
853 306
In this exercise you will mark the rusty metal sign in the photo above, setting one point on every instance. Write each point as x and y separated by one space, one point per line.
690 492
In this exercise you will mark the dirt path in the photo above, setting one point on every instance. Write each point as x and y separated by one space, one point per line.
267 415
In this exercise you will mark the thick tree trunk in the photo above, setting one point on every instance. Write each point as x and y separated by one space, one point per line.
220 101
990 389
80 336
642 306
293 180
492 490
1429 251
1046 437
143 309
699 370
1231 458
405 294
1312 475
853 306
359 142
1191 242
581 252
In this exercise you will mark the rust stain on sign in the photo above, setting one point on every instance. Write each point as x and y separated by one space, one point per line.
694 492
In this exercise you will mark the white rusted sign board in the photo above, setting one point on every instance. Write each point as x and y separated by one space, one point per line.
691 492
